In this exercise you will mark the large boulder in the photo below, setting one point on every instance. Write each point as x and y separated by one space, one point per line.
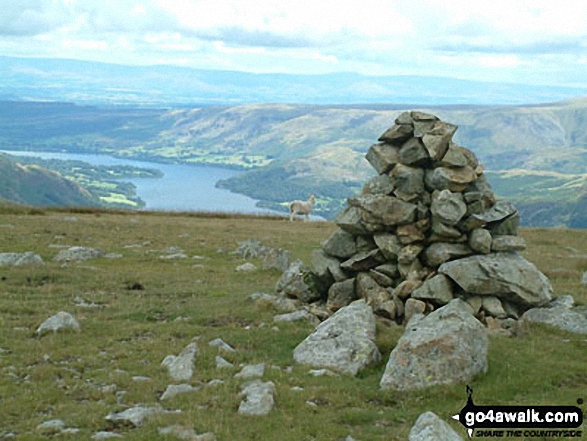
447 346
345 342
505 275
181 367
259 398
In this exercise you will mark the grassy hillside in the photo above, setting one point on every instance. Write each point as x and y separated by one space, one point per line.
34 185
537 154
152 307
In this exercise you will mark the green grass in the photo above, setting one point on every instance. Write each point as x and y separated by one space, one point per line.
137 328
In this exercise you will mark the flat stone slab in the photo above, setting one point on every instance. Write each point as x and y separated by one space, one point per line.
18 259
505 275
181 367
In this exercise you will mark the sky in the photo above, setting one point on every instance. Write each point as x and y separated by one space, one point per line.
520 41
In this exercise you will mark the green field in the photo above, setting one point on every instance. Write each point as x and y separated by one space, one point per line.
154 307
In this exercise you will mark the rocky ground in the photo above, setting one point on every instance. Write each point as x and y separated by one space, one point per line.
144 326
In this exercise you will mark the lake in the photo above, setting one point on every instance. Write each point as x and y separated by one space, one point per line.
182 188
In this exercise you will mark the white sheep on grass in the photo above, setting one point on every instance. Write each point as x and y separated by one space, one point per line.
301 207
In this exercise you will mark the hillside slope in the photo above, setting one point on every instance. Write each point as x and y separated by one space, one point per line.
36 185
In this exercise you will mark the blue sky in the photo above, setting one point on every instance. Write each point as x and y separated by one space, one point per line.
531 42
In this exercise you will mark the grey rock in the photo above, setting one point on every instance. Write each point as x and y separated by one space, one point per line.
350 220
437 138
480 240
185 433
174 256
259 398
363 261
327 268
296 282
341 294
382 279
221 363
322 373
453 179
422 116
251 371
429 427
181 367
448 346
454 156
448 207
443 231
340 244
389 269
174 390
389 245
78 254
383 209
410 233
246 267
438 289
506 227
344 342
413 307
397 133
413 152
134 416
492 305
383 157
251 248
500 211
584 278
407 180
508 243
106 435
404 118
566 301
381 184
296 316
409 253
505 275
222 345
60 321
18 259
365 243
277 258
51 427
367 288
440 252
560 317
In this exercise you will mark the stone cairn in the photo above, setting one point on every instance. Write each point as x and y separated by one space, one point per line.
426 230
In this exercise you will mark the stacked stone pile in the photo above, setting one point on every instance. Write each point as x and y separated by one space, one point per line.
426 230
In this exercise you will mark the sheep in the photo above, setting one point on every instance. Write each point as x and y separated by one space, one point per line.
301 207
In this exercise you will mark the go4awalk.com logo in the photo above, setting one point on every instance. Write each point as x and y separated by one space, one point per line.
520 421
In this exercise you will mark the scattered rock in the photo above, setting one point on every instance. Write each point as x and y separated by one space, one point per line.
181 367
322 373
106 435
134 416
174 256
447 346
429 427
60 321
584 278
18 259
251 371
344 342
221 363
221 345
51 427
297 283
259 398
560 317
302 314
77 254
246 267
177 389
508 243
185 433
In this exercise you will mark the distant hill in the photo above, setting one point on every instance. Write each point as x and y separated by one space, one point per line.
534 155
42 79
35 185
